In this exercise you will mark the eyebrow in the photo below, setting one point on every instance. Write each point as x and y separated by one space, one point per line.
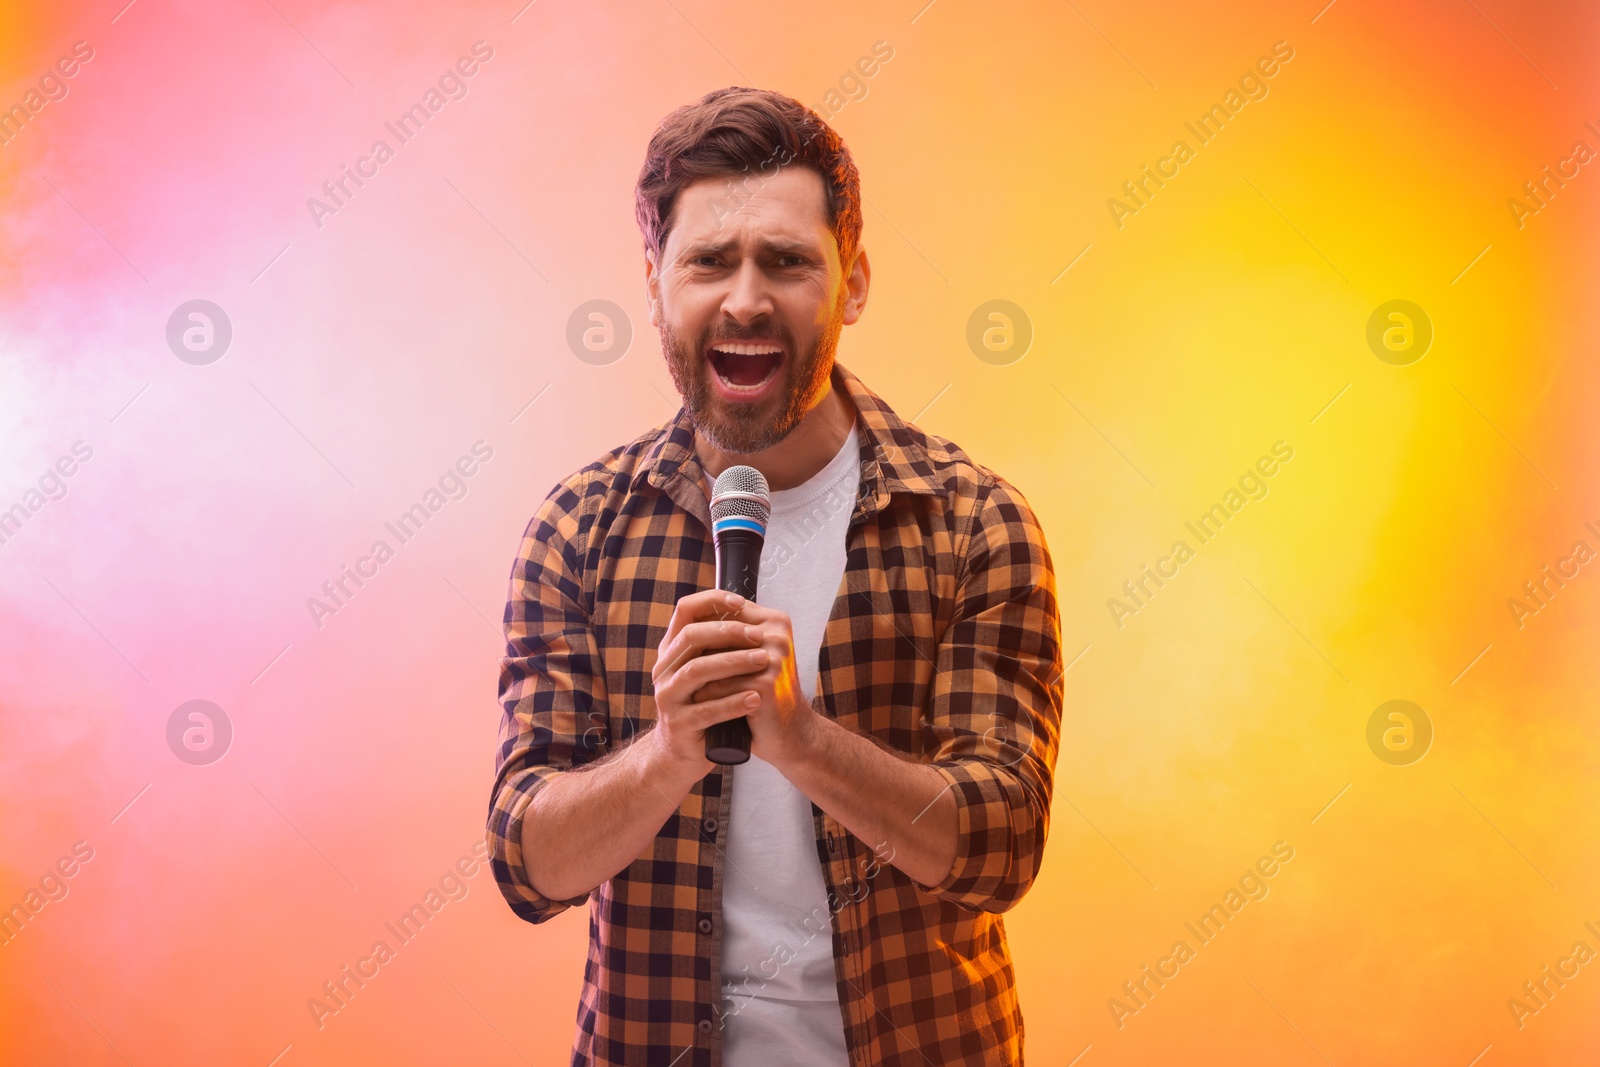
702 248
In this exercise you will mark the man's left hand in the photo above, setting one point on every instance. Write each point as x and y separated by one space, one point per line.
781 727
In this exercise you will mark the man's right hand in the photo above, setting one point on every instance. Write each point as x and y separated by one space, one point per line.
581 829
702 621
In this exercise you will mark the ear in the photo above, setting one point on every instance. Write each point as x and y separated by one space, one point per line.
652 288
856 285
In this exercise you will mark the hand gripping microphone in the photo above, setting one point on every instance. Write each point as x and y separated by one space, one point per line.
740 507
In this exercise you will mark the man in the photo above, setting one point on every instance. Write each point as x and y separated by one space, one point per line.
836 899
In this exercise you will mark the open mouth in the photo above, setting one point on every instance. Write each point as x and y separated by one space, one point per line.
745 365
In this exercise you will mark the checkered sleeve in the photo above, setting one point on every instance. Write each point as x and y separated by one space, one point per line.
996 705
552 690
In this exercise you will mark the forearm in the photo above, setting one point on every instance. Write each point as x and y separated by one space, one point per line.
586 825
898 807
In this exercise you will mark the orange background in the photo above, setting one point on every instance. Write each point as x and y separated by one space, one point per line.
371 351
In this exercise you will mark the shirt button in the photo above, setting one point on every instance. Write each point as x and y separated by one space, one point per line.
704 925
710 824
704 1026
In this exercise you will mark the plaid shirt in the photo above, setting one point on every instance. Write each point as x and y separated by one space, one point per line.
943 646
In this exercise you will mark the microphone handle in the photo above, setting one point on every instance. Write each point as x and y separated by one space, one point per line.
738 565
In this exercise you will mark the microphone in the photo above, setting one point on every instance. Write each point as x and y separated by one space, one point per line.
740 506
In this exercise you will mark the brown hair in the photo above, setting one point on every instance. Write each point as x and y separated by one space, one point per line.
742 131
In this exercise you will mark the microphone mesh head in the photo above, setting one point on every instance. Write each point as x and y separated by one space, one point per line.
741 491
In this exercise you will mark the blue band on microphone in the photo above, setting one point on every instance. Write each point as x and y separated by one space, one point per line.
738 522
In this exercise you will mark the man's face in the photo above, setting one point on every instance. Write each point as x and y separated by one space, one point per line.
749 299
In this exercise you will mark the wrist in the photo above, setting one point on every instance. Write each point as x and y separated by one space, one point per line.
810 748
667 770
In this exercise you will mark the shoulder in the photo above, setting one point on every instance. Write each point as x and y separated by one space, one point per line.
992 518
973 488
919 462
951 467
570 507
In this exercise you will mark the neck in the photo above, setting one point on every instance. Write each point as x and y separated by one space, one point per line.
792 461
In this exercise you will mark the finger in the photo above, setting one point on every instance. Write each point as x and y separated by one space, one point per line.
706 604
709 712
753 613
721 687
673 652
706 669
698 637
772 623
703 669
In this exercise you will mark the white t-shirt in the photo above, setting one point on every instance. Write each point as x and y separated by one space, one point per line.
777 933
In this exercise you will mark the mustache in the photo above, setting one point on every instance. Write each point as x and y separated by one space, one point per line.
736 338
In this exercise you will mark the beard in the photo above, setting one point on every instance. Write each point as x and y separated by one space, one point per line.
731 426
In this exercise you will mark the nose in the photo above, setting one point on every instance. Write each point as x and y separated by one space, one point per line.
749 297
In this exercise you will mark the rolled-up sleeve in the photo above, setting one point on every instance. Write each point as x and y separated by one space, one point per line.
996 709
552 692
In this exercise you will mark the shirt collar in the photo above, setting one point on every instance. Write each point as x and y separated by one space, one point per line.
894 454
